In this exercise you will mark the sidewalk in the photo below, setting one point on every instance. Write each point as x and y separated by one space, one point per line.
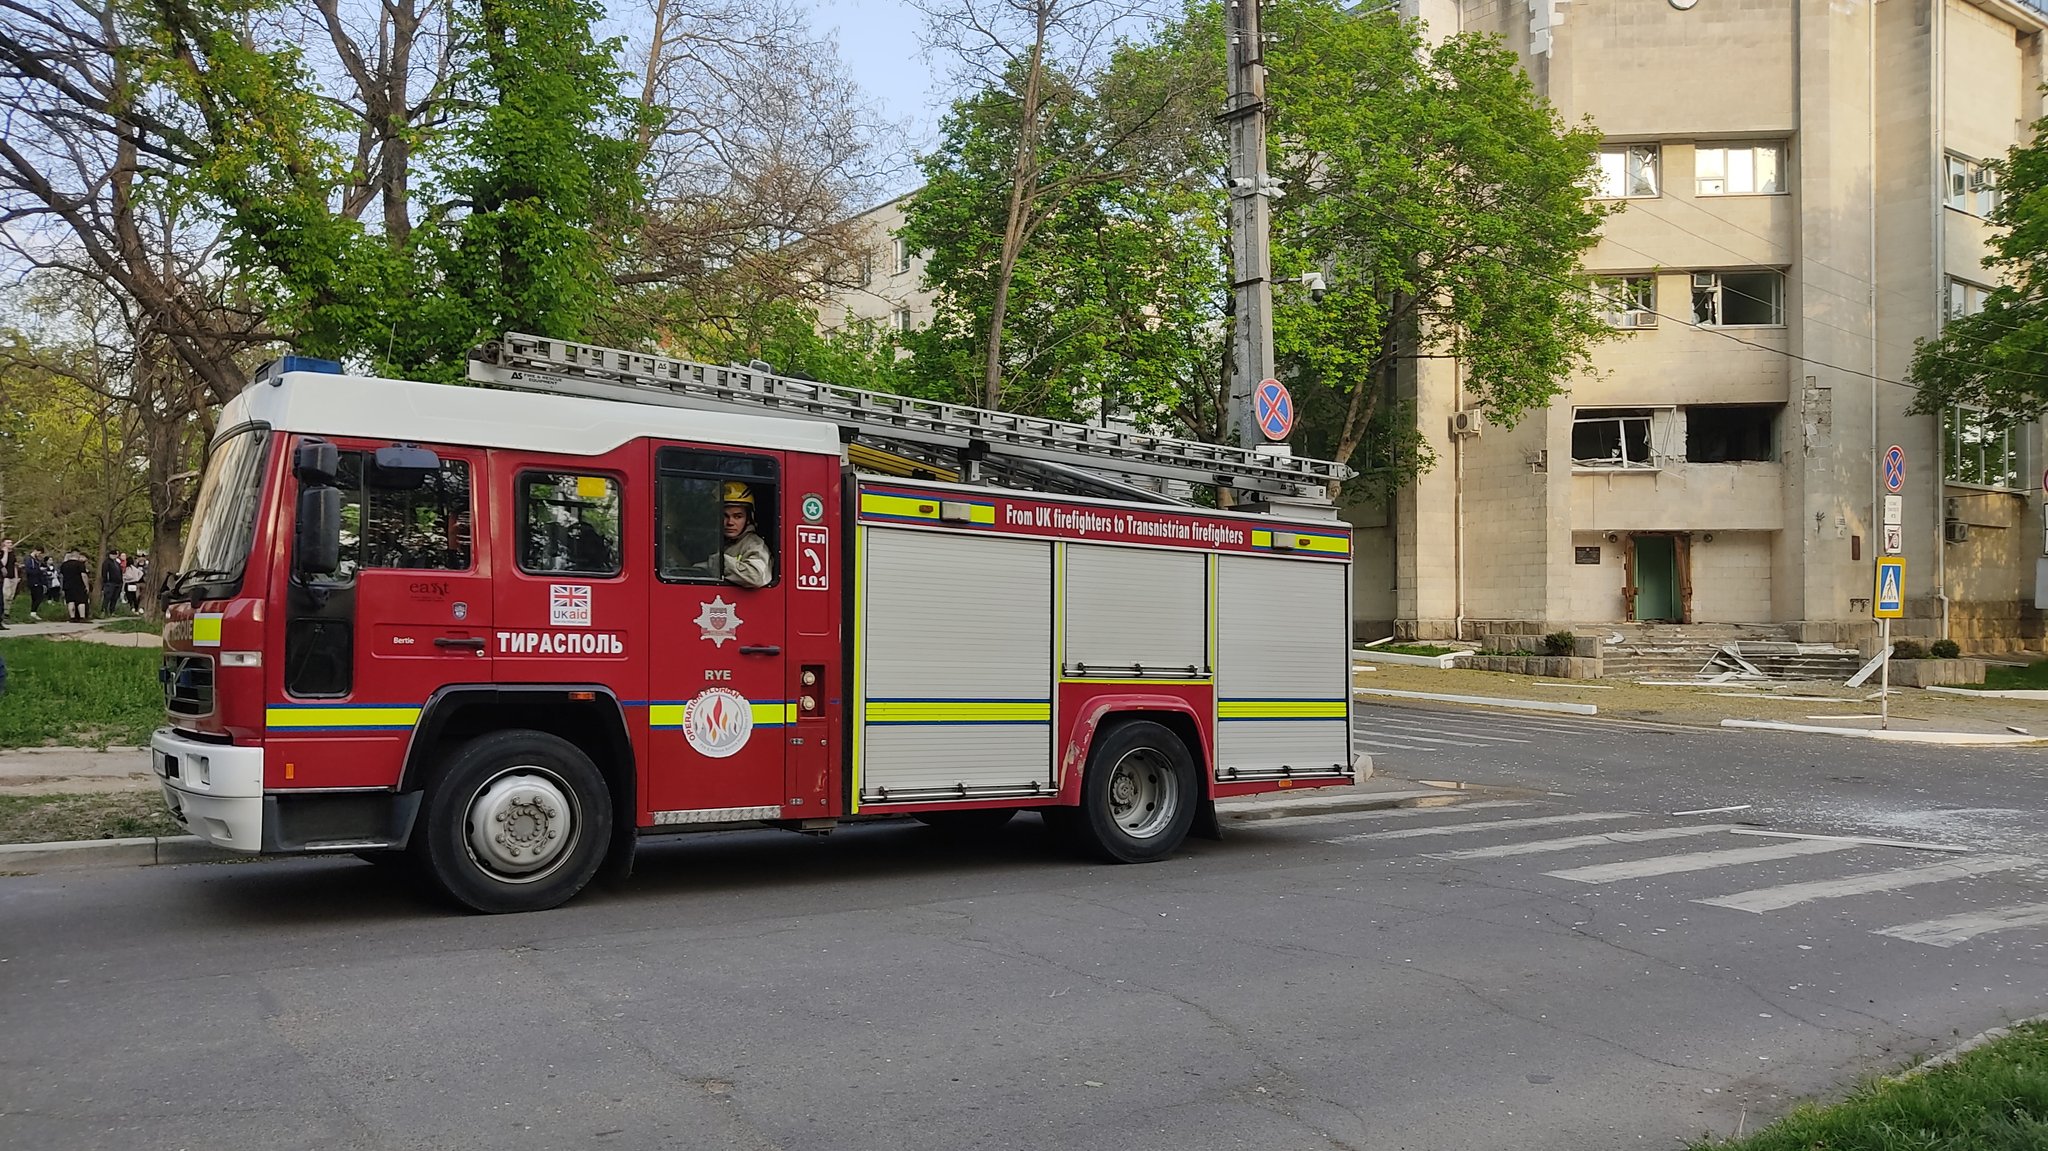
1825 706
74 771
89 632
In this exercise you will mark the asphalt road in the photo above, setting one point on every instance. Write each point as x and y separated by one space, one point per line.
1565 964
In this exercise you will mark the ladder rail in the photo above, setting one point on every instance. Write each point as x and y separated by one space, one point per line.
533 363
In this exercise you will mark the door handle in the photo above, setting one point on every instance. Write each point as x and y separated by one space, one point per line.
472 643
754 649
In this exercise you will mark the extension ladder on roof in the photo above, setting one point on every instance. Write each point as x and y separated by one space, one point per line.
1042 450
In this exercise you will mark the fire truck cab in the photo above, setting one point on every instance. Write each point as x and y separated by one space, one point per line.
499 634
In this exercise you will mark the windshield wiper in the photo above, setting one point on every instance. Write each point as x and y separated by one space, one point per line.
179 580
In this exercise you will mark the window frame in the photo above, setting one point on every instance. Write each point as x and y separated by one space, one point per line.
1949 309
1969 186
1728 149
663 470
1612 290
902 256
2014 450
520 479
1720 287
1628 174
1620 417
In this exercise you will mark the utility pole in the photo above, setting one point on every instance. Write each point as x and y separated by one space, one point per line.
1250 219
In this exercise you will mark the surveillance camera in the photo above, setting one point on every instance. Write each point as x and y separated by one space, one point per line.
1313 281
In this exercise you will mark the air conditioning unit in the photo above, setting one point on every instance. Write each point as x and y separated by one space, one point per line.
1637 319
1955 531
1467 423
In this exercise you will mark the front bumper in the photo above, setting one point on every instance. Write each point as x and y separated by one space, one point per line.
214 789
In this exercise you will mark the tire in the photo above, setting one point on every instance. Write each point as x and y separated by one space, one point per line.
1139 794
513 821
968 825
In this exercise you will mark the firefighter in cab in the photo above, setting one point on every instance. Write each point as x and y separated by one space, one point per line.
743 558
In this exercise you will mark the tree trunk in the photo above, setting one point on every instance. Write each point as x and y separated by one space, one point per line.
1023 174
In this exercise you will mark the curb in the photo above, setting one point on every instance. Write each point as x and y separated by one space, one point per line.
2019 693
141 851
1956 738
1323 805
1485 700
1942 1059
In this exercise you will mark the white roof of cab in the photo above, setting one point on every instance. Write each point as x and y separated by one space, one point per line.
326 404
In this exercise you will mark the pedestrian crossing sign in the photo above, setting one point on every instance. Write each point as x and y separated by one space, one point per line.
1890 600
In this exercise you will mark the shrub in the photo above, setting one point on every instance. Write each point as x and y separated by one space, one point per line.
1945 649
1908 649
1558 643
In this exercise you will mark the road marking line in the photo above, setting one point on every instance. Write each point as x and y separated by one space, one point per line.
1791 894
1696 861
1404 733
1487 825
1390 746
1378 813
1867 841
1539 846
1405 729
1954 929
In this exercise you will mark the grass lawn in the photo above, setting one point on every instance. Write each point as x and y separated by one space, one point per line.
114 815
72 694
2033 677
1993 1099
1411 649
132 623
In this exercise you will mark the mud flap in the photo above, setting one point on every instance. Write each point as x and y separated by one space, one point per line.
1206 825
618 862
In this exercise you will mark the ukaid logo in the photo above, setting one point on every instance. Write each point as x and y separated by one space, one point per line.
560 643
569 605
718 722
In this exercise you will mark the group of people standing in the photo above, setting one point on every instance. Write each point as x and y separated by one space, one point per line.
120 577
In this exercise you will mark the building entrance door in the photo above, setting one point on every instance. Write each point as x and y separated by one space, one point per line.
1654 575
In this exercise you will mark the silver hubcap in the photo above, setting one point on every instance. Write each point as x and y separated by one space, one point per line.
1142 797
522 824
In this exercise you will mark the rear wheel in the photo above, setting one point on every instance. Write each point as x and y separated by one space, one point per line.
1139 794
515 821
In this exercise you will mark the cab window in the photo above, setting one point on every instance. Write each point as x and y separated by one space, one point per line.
691 496
422 528
569 524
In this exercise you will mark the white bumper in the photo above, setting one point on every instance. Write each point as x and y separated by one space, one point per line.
214 789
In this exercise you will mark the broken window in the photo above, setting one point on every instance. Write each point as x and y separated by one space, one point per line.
1611 438
1628 301
1627 171
1732 433
1738 299
1738 170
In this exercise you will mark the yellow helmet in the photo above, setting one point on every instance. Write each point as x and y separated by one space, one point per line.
738 493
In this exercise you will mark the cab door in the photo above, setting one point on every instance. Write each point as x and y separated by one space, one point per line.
718 713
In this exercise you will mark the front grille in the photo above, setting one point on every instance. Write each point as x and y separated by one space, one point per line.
188 684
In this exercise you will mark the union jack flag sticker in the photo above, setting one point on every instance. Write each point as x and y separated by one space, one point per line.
569 605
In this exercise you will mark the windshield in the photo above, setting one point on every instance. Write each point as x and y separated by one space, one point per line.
224 518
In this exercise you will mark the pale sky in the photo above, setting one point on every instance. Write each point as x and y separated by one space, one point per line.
878 40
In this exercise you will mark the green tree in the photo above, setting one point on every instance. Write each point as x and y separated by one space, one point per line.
1993 359
1445 205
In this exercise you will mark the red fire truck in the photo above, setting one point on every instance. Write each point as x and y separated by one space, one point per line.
500 633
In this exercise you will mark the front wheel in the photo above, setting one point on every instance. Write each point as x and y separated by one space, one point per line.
515 821
1139 794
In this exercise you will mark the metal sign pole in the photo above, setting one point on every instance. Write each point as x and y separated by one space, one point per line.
1884 683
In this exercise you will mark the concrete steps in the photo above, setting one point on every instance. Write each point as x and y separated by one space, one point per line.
1681 651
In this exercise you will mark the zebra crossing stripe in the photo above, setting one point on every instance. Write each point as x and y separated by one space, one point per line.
1375 815
1406 729
1696 861
1409 735
1953 929
1568 843
1791 894
1486 825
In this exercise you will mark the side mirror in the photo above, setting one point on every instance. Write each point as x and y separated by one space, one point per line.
316 462
402 467
316 548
